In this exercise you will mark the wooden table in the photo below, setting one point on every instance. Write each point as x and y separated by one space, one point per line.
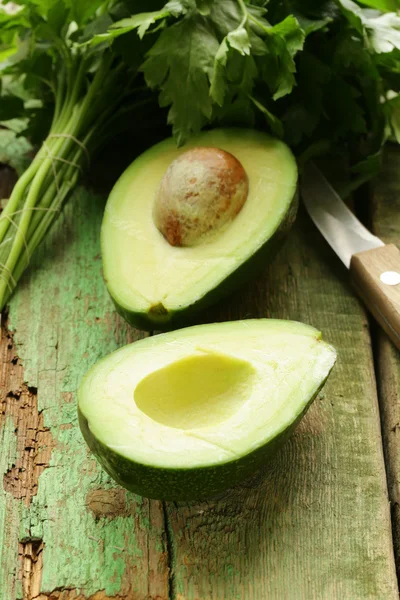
315 524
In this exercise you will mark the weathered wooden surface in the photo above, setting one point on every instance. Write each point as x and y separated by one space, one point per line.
385 217
316 523
75 529
313 525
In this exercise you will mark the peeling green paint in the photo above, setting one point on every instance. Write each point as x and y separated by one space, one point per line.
9 515
64 321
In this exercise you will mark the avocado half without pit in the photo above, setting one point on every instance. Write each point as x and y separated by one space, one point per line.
185 226
186 414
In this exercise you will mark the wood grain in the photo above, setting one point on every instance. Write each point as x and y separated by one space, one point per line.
314 524
381 299
66 530
386 224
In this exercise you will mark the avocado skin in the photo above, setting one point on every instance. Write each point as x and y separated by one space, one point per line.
161 320
184 484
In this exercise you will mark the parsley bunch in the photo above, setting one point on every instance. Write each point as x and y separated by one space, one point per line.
65 96
324 76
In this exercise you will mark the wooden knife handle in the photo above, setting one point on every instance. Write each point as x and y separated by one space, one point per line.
375 275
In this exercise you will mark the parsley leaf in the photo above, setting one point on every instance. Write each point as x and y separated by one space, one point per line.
383 5
381 30
141 22
180 63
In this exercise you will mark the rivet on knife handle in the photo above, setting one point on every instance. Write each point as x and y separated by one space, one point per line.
373 275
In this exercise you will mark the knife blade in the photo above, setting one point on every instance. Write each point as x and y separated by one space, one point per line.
374 266
342 230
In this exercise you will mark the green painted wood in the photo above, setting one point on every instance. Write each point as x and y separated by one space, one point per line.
385 219
78 531
315 523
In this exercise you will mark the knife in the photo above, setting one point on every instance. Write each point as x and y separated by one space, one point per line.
374 266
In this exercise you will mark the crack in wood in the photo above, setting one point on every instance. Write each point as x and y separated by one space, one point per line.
169 553
34 440
73 594
31 567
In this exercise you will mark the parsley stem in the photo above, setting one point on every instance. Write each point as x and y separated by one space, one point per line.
83 111
245 13
256 21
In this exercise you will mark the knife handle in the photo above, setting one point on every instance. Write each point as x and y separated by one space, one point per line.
375 274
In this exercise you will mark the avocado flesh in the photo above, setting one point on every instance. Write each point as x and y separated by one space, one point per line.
186 414
157 286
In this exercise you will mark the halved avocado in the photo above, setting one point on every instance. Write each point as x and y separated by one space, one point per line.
155 285
187 414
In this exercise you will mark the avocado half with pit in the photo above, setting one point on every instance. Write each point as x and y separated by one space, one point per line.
186 414
185 226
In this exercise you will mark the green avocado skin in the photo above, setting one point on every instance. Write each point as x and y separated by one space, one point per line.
183 484
161 320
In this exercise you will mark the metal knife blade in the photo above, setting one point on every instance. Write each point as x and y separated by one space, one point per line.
342 230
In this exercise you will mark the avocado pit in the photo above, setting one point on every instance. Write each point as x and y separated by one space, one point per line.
201 191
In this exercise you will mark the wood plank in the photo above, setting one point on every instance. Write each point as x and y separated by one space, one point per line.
315 523
385 219
66 531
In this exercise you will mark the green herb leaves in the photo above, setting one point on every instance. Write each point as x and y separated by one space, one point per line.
180 63
381 32
383 5
212 57
71 96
